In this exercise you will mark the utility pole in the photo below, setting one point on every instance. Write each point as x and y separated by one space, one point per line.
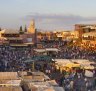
33 66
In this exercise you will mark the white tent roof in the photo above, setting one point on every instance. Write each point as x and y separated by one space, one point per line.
39 50
46 49
52 49
62 60
88 73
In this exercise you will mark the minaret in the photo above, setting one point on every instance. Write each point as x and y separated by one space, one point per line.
31 28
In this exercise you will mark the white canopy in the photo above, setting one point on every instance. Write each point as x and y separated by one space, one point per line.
52 49
46 49
88 73
39 50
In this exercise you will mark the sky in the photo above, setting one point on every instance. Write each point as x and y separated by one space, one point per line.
48 14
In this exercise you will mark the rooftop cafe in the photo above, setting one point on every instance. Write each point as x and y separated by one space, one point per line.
14 38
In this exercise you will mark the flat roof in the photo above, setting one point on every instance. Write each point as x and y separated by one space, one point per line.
11 88
8 75
9 31
86 24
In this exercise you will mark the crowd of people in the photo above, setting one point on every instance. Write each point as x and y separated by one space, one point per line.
75 52
12 59
78 82
75 80
70 51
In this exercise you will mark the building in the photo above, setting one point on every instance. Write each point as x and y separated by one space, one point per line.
31 28
89 39
87 35
31 33
84 28
11 36
14 37
55 35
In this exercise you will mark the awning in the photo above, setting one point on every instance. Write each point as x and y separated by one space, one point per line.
28 61
13 38
89 67
42 57
70 65
30 43
52 49
39 50
19 45
88 73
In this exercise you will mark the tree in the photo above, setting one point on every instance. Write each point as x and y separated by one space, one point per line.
0 29
20 30
25 30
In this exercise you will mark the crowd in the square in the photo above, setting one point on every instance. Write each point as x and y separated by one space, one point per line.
71 52
73 81
12 59
76 79
75 52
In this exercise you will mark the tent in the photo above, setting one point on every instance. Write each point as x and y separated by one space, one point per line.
42 57
70 65
40 50
88 73
89 67
52 49
29 60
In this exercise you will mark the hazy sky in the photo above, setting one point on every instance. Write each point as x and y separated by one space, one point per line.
48 14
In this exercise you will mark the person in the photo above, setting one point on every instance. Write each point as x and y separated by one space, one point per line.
46 71
62 80
67 85
71 85
89 86
95 82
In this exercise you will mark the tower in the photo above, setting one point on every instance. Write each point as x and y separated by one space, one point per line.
31 28
31 32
